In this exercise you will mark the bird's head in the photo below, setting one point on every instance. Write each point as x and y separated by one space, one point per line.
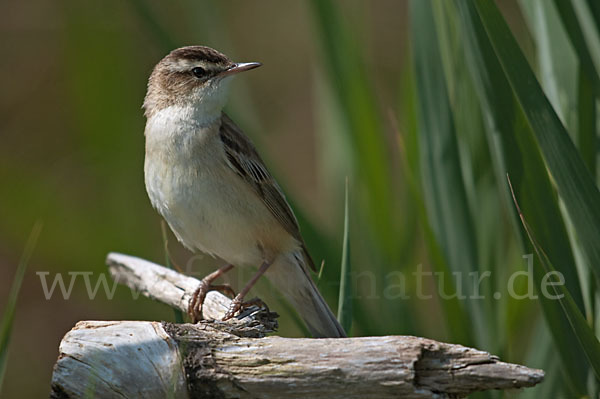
194 76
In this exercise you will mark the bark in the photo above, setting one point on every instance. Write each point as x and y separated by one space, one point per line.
235 359
175 289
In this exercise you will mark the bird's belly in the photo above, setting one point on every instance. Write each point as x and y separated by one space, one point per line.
216 212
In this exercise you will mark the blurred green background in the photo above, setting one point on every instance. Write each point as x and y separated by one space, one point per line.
424 105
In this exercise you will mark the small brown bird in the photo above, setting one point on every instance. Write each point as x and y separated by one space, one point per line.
206 179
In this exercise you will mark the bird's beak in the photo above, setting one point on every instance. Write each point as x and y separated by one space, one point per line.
239 67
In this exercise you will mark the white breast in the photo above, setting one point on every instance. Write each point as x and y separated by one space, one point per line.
206 204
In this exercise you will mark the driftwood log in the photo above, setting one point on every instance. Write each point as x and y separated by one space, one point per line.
234 359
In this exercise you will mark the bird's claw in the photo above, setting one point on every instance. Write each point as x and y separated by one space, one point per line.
197 299
237 305
234 307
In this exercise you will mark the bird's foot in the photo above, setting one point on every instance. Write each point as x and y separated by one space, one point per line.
237 304
197 299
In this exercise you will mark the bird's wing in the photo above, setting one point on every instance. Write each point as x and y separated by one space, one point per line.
245 161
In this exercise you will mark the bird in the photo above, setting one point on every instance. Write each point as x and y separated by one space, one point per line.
207 180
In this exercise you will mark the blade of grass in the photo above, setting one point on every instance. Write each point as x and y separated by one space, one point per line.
544 356
573 27
9 311
454 314
587 138
594 7
320 274
478 170
515 152
572 95
513 148
346 69
587 143
355 103
443 185
575 184
590 28
556 59
585 335
345 301
441 176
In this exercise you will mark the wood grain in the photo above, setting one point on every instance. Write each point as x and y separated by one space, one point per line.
236 358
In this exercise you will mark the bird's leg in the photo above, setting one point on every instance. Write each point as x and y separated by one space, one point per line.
225 289
197 299
237 302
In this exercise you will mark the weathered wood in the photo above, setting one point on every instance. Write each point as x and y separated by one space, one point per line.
175 289
137 359
234 359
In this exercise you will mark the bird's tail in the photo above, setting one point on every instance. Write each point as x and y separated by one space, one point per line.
289 273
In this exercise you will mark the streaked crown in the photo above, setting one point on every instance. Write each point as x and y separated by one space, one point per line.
191 74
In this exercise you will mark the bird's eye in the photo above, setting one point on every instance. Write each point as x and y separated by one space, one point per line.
199 72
